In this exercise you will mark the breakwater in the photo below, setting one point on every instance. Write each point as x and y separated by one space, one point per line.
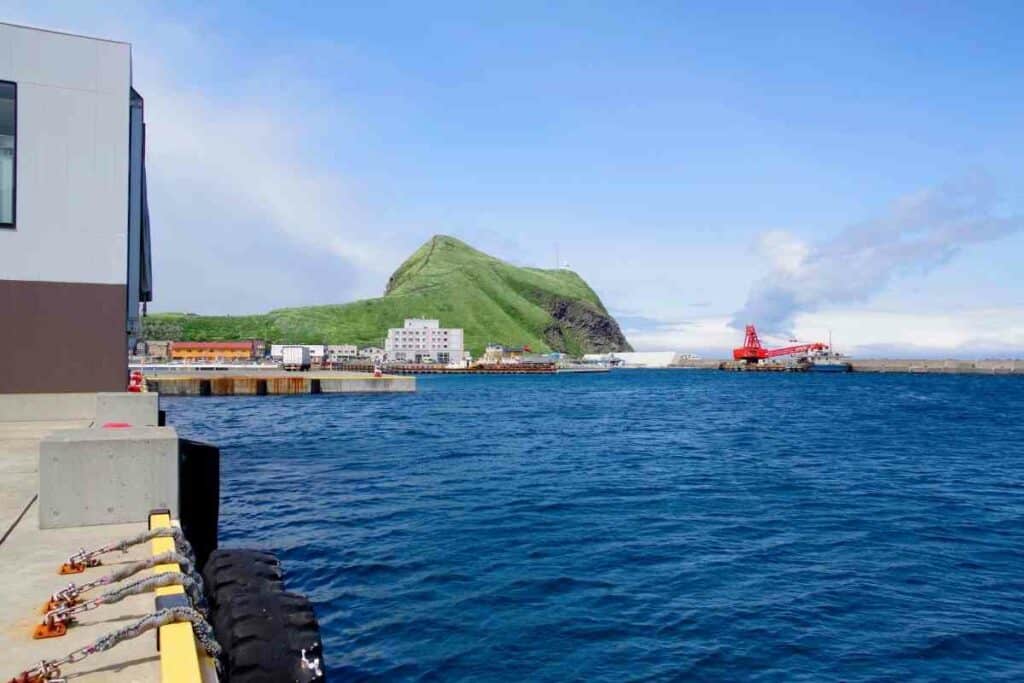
977 367
930 366
275 382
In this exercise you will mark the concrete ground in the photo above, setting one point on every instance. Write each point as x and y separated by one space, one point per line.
30 558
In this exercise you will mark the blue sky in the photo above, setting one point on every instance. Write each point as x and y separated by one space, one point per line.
688 161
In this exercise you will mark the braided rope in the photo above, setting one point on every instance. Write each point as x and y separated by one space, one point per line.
168 557
204 632
145 584
184 547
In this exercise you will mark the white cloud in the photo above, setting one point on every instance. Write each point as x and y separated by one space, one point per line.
785 252
708 336
962 334
225 177
917 233
244 158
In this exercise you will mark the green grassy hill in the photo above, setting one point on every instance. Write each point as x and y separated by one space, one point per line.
491 300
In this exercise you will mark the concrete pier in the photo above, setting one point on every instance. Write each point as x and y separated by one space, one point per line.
275 383
32 552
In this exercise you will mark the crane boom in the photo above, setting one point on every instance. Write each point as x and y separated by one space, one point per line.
753 351
799 348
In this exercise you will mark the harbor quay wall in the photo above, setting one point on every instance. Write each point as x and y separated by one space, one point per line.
985 367
275 383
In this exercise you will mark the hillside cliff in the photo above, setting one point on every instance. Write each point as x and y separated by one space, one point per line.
493 301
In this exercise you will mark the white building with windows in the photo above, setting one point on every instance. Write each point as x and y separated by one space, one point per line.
424 341
374 353
337 353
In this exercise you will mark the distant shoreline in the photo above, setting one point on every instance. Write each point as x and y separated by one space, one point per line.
924 366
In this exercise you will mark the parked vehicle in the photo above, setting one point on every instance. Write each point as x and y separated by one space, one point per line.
295 357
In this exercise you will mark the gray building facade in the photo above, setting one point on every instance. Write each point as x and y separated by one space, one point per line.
74 233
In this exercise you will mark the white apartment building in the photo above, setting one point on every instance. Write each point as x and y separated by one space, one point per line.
424 340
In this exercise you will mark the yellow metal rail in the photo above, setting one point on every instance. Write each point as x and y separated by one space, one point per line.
181 661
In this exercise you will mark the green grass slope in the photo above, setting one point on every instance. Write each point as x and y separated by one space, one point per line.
491 300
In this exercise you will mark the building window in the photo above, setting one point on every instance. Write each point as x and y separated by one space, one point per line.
8 147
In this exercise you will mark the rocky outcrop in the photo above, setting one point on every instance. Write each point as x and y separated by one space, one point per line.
580 327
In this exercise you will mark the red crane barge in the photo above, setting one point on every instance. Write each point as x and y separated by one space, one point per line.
752 351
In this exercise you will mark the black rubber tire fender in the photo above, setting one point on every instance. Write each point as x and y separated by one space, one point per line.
229 571
273 636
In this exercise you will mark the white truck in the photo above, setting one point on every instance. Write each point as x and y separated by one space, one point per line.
295 357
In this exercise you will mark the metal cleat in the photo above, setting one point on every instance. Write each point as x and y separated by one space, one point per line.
55 623
49 630
66 597
78 562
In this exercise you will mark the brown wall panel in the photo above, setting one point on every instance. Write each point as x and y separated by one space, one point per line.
60 337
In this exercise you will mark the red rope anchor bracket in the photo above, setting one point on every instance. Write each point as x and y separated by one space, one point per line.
79 562
55 623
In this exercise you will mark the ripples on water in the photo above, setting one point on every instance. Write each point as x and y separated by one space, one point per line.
642 525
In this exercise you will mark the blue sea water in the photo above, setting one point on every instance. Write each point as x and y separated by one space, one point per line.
642 525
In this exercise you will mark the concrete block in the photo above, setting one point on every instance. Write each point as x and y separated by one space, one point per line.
47 407
181 387
107 476
138 410
368 385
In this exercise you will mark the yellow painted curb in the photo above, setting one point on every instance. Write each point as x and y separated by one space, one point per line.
179 653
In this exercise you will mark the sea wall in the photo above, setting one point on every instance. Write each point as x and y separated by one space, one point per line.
947 366
984 367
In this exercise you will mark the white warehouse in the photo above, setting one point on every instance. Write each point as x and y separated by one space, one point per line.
423 340
641 359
